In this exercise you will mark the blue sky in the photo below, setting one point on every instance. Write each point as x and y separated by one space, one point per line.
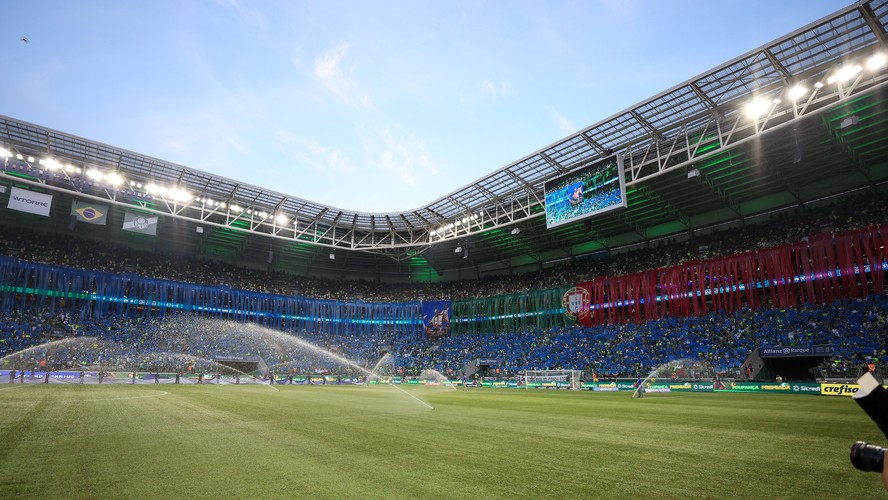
369 105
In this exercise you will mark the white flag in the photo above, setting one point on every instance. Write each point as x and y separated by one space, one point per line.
29 201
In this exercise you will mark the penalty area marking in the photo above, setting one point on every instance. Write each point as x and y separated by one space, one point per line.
162 393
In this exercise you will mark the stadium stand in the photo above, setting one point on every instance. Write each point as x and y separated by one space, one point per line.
855 325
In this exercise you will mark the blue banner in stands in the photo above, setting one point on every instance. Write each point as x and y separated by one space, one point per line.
436 318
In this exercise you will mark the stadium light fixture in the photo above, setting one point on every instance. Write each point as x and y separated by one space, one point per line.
332 256
114 179
877 61
262 215
457 250
5 153
797 92
844 74
31 159
818 85
180 195
281 219
757 107
92 173
516 231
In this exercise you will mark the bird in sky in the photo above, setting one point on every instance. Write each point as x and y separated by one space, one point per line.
25 40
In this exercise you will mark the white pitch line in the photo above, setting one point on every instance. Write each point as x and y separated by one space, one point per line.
162 393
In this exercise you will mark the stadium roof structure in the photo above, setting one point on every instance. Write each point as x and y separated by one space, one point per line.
795 121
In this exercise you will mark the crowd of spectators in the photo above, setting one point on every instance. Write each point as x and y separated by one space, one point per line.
175 343
855 327
69 250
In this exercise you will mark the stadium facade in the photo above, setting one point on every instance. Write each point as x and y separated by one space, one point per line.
792 124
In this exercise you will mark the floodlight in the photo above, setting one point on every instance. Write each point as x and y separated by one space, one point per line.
797 92
5 153
845 73
877 61
850 121
177 194
92 173
281 219
69 168
114 179
19 157
457 250
332 256
30 159
818 85
262 215
757 107
516 230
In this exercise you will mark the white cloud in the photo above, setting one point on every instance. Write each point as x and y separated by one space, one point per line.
497 90
565 125
251 17
312 154
400 158
328 69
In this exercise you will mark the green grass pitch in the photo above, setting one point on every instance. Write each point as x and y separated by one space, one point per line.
120 441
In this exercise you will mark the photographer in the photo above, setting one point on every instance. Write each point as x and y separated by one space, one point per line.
873 399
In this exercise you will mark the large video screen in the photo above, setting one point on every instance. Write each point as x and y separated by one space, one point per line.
585 192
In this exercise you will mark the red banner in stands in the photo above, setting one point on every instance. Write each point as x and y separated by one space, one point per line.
817 270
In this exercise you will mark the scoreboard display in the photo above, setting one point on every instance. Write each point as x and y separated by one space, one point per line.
585 192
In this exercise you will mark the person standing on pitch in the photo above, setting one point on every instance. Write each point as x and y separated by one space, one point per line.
639 384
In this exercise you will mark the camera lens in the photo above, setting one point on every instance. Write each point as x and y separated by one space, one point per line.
867 457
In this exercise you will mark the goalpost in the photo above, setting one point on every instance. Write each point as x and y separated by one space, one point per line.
553 378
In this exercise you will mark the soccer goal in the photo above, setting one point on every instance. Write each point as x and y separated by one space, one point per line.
561 379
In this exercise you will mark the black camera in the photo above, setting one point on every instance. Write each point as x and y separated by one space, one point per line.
873 398
867 457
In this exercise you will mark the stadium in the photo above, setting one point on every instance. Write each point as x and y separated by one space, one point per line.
718 249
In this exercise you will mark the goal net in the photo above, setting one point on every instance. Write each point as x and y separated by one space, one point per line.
560 379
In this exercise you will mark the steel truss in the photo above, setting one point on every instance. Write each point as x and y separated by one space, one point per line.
673 130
